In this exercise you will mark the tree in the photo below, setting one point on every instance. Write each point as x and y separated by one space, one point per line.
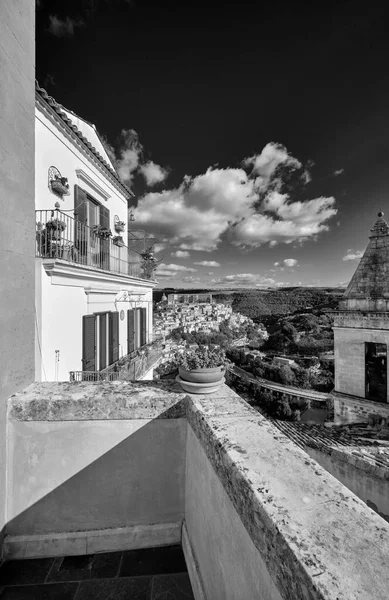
286 375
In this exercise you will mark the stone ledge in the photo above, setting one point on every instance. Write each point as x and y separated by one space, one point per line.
116 400
312 532
317 539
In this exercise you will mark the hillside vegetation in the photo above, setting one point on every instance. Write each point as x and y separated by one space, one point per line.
260 303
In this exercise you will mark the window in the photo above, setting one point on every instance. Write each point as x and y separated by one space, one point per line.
100 340
136 328
376 371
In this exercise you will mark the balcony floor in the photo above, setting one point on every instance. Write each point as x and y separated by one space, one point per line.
148 574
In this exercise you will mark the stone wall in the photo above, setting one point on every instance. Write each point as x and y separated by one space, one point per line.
97 463
262 518
349 346
17 236
367 481
348 409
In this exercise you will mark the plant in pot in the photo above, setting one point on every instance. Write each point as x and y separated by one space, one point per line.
201 370
148 263
120 226
60 185
118 240
50 237
102 232
54 228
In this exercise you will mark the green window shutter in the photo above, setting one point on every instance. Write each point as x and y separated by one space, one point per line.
130 331
103 341
137 327
80 216
89 343
143 326
113 337
104 244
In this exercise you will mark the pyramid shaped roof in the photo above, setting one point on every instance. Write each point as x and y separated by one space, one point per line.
371 278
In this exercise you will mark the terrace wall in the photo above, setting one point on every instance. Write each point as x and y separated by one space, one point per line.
118 465
17 250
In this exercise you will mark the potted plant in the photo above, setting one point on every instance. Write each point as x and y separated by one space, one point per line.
102 232
148 263
201 370
120 226
118 240
60 185
54 228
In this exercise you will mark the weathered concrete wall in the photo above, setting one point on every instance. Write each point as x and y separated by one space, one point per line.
77 465
369 488
356 410
311 532
17 93
218 536
349 346
257 508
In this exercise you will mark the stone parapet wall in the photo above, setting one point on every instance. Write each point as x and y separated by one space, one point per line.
299 531
351 409
360 472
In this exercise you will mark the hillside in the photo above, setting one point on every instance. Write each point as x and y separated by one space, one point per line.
264 305
259 304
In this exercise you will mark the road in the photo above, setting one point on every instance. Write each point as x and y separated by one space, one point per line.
281 388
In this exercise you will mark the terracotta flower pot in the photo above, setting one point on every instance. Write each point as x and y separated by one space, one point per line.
199 388
205 375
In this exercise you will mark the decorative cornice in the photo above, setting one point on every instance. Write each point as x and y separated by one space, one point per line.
83 176
79 275
60 118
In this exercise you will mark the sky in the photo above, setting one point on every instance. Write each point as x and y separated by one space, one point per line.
254 136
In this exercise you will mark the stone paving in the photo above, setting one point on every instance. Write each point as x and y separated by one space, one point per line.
148 574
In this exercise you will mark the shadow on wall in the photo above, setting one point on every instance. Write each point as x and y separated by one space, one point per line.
140 480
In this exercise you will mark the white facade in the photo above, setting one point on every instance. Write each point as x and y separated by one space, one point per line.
67 291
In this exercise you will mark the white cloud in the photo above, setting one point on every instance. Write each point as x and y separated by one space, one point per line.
207 263
290 262
190 279
173 271
285 221
276 264
181 254
352 255
63 27
129 160
200 210
245 280
159 247
249 207
153 173
210 273
338 172
129 155
265 164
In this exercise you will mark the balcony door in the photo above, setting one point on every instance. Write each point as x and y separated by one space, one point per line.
376 371
88 212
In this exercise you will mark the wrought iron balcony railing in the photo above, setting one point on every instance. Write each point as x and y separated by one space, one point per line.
129 368
60 236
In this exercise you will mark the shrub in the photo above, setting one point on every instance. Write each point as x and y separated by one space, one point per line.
201 357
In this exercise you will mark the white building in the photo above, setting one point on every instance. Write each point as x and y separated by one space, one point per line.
93 302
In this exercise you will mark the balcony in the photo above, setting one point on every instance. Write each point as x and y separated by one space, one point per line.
103 467
131 367
60 236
